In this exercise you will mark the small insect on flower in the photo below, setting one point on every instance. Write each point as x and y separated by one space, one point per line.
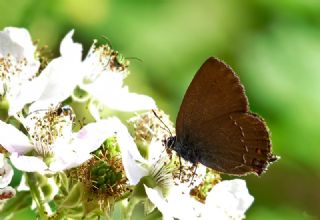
104 71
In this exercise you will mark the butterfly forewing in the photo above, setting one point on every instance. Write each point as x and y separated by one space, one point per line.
214 91
215 122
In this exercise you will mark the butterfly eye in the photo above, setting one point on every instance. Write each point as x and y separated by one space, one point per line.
170 142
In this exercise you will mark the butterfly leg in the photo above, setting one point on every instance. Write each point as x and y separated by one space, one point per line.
180 168
193 174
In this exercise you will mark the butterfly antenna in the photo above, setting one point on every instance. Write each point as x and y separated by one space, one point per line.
154 112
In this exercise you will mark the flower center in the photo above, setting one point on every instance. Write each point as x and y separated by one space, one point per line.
103 175
12 73
107 59
49 127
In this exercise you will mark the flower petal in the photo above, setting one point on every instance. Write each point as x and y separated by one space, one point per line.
87 140
28 163
123 100
18 43
68 155
66 159
13 140
28 92
6 172
157 199
229 198
69 49
91 136
62 74
108 89
130 154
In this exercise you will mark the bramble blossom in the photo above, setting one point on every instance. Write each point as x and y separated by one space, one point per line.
104 72
51 145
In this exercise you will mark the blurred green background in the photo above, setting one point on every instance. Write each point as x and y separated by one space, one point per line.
273 45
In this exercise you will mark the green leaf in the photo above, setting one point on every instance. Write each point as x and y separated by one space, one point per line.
21 201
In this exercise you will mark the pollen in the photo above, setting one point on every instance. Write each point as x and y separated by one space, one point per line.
201 191
48 126
150 127
12 72
103 175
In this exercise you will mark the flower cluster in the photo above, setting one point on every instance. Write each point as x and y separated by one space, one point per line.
76 159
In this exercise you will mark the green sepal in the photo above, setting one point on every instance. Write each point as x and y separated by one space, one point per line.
79 95
74 198
139 191
62 182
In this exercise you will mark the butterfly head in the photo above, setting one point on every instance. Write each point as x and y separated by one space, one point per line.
170 142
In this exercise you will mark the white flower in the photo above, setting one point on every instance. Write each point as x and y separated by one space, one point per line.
61 75
103 80
18 68
6 172
131 159
228 199
51 145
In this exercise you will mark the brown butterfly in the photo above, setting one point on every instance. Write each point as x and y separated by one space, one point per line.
215 127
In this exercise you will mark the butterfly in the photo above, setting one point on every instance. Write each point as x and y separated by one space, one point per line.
215 127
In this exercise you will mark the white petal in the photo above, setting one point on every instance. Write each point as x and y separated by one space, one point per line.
157 199
13 140
130 154
6 173
87 140
62 77
67 159
94 109
230 197
69 49
188 208
123 100
68 155
18 43
92 136
28 163
178 204
108 89
23 186
28 92
62 74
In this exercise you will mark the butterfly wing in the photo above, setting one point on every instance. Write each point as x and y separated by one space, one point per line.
215 121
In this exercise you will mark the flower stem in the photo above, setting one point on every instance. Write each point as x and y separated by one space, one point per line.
36 194
127 209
